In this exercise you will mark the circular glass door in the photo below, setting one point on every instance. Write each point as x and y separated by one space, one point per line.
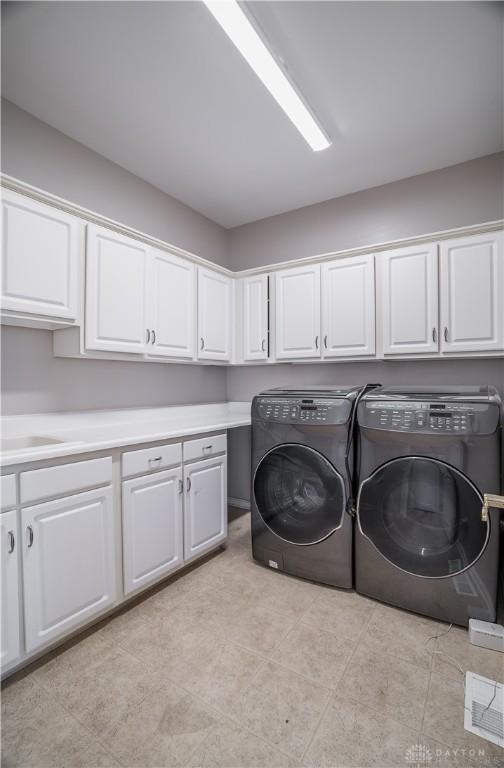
299 494
423 516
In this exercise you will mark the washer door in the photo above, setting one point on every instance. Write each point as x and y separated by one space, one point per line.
299 494
423 516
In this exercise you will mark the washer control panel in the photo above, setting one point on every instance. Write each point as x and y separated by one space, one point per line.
445 418
318 410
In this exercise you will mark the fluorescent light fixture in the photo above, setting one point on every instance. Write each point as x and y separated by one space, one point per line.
242 33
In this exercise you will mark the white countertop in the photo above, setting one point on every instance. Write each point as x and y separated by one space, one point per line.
86 431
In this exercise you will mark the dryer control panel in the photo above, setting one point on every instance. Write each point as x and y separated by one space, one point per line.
290 410
423 417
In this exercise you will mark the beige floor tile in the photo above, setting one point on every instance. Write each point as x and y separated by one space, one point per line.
118 627
314 653
61 667
287 595
343 612
105 693
387 684
163 730
282 708
38 732
454 650
352 735
402 635
224 675
228 746
444 719
259 629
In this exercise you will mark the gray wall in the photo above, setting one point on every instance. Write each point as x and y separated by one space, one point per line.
469 193
32 379
40 155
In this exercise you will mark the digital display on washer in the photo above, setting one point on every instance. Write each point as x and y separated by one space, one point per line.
437 406
308 407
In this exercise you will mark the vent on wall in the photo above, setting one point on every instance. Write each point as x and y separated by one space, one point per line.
484 708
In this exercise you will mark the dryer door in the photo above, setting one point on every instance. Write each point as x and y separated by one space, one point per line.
423 516
299 494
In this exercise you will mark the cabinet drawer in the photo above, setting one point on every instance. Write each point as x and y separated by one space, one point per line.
8 491
64 479
204 447
149 459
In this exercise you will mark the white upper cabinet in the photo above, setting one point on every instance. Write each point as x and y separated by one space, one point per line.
152 527
472 293
408 290
40 247
116 276
171 305
297 313
255 317
10 648
214 315
348 307
68 563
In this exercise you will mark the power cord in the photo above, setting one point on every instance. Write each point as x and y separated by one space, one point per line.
455 662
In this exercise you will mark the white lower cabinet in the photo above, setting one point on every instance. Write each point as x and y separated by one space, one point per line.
68 563
152 514
205 510
10 648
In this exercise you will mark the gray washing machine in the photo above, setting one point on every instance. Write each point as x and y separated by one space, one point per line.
300 483
426 457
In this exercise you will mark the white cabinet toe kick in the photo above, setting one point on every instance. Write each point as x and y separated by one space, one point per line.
81 536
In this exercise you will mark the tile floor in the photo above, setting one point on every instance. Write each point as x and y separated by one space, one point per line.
231 665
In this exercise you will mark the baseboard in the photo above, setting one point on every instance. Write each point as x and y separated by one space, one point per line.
239 503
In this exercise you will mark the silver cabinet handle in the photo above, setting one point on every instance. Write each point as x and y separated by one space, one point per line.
153 337
316 342
263 345
155 458
148 335
12 542
446 334
325 342
180 486
30 536
207 448
202 343
188 484
434 335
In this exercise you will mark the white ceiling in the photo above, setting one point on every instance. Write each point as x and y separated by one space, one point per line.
157 87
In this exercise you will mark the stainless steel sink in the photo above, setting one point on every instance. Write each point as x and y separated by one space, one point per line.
24 442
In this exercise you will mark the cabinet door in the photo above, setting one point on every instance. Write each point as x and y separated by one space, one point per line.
40 247
205 513
116 276
297 331
255 318
214 315
472 293
172 305
348 307
152 527
409 299
10 648
68 563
